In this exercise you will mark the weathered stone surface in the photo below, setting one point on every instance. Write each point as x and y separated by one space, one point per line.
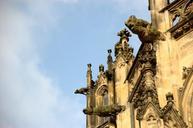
146 32
105 111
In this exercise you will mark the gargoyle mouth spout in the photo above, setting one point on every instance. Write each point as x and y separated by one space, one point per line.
145 31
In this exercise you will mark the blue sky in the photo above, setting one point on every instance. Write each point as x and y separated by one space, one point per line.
45 48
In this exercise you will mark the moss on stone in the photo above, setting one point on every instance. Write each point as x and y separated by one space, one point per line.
105 111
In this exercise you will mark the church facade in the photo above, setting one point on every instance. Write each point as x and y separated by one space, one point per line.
153 89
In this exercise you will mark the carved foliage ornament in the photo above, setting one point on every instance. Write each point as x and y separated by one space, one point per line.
148 54
122 47
125 51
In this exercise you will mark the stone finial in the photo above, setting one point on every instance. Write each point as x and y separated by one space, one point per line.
109 51
169 97
109 58
89 65
89 74
122 46
101 68
89 68
124 34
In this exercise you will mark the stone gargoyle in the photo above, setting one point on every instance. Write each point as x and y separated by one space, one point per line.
145 31
83 91
105 111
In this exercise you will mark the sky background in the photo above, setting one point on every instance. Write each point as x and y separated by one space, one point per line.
45 46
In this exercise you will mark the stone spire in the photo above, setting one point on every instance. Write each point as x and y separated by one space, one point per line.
101 68
124 34
89 75
109 60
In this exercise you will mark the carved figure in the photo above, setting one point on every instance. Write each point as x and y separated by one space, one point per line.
145 31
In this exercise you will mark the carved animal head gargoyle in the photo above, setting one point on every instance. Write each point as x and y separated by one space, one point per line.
145 31
83 91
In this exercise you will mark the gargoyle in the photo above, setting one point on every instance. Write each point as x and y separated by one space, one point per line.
83 91
105 111
145 31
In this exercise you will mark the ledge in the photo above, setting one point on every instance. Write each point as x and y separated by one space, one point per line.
171 5
183 27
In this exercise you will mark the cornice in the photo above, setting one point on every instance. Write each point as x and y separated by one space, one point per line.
172 5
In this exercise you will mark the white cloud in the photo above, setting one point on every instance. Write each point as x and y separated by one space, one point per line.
28 98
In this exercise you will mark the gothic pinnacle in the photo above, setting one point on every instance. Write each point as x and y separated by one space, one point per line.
169 97
101 68
124 34
89 65
109 51
89 75
109 58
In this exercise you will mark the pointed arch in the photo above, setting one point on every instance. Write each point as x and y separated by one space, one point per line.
187 100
